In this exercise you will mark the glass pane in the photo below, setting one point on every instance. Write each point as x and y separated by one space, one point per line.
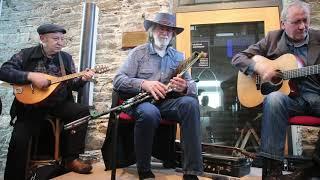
222 116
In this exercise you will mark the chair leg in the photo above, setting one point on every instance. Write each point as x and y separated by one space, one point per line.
56 129
240 138
57 140
114 147
28 163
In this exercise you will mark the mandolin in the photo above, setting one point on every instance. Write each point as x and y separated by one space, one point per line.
29 94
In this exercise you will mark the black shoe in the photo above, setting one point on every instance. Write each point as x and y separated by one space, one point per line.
145 175
190 177
271 169
306 172
169 164
296 175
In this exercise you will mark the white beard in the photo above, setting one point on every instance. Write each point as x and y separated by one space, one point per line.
161 42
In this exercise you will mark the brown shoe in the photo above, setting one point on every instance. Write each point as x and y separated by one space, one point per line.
79 166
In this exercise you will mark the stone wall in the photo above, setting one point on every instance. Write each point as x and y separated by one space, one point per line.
18 24
310 134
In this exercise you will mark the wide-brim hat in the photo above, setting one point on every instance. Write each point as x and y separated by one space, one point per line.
163 19
50 28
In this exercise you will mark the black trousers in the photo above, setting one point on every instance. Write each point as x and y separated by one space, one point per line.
28 124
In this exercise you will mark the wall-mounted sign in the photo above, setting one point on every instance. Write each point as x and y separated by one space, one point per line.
204 47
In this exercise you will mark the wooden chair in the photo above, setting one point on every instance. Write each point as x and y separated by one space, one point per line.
120 117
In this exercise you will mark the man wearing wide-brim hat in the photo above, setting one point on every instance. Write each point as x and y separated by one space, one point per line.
32 66
149 68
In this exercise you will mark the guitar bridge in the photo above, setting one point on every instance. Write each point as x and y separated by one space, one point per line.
17 90
258 82
32 89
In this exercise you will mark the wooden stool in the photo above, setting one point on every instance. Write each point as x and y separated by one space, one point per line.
33 161
246 133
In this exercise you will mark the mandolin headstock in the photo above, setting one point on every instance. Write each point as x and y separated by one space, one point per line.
99 69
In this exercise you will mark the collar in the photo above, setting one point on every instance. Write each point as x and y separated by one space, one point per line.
38 52
151 49
169 51
297 45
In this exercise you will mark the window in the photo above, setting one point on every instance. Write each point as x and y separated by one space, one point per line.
217 84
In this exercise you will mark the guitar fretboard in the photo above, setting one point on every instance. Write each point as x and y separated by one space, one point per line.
304 71
67 77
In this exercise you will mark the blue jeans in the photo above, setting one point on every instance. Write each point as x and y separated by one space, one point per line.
277 108
184 110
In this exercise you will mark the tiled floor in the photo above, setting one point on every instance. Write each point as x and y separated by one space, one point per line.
130 173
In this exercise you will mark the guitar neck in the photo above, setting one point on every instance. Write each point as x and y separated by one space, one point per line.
67 77
305 71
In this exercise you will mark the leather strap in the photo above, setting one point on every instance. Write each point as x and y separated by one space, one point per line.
63 70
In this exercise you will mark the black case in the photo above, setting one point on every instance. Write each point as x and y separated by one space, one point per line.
293 163
226 165
221 160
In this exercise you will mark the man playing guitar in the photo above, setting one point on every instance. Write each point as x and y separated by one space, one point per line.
296 38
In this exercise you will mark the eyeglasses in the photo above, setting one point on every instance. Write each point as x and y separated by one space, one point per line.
165 29
298 22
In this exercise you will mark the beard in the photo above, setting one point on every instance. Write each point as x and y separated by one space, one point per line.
161 42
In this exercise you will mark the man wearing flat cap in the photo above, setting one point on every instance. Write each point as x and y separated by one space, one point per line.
149 68
31 66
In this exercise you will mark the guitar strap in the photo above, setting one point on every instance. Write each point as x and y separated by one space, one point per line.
294 90
300 61
63 70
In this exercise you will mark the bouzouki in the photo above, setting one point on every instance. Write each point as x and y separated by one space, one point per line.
29 94
251 89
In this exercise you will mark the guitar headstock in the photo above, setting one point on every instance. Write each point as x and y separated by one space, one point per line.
101 69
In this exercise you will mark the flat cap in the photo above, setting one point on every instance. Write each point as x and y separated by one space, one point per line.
50 28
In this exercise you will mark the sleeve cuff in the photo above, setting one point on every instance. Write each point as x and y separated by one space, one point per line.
25 77
250 69
137 84
191 88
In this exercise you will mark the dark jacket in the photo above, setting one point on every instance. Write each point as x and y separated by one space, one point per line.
15 71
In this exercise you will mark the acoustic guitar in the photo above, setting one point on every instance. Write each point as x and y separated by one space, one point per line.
251 89
29 94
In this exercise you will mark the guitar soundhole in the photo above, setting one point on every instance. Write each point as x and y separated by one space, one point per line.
267 88
276 80
274 85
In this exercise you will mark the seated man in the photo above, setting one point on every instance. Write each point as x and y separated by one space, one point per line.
294 37
205 109
149 68
29 66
